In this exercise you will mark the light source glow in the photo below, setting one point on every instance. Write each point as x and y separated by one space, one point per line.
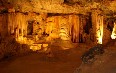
100 30
113 36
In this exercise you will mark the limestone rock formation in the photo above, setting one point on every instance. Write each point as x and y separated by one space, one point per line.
38 22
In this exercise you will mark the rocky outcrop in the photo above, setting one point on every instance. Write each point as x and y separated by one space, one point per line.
9 47
57 6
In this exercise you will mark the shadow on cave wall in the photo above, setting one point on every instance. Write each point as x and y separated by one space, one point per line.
110 24
9 48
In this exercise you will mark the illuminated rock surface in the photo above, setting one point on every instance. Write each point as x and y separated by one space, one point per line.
52 30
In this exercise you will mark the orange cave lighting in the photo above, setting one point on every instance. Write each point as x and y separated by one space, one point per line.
113 36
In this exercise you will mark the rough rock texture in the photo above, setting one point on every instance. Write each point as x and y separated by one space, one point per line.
3 25
58 6
65 19
36 22
9 47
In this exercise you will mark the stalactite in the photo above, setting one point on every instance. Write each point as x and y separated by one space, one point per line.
70 25
81 31
102 27
97 21
94 19
75 28
56 22
11 23
16 24
56 30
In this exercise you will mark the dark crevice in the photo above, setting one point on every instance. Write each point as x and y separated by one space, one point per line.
88 25
30 27
66 1
4 11
57 14
110 24
71 2
25 13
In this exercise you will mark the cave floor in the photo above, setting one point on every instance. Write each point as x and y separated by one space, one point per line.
61 61
105 63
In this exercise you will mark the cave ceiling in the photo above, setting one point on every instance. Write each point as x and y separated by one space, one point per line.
59 6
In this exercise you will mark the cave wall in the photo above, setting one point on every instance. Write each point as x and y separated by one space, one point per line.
77 28
107 30
3 25
85 28
18 23
52 27
45 27
65 27
58 26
